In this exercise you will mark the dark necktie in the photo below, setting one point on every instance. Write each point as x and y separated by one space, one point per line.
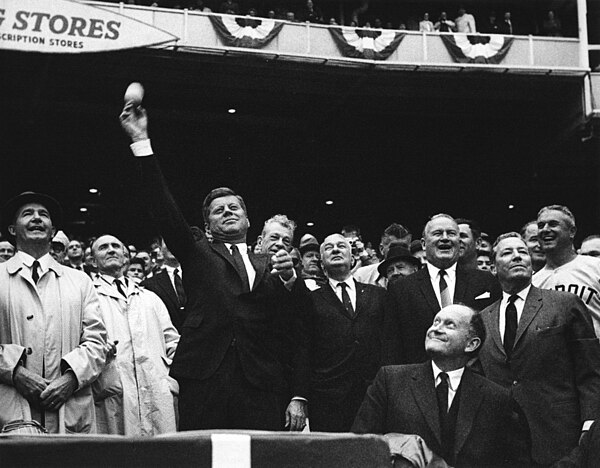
444 290
510 326
34 271
346 299
119 286
442 396
239 265
179 288
447 418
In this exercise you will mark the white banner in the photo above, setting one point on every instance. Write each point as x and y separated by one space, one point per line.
64 26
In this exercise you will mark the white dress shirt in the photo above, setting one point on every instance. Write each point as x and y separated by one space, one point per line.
351 289
519 304
111 280
434 275
171 272
454 378
27 260
250 271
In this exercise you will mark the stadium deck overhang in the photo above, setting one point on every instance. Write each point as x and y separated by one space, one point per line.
383 144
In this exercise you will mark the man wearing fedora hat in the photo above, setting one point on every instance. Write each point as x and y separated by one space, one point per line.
370 274
52 338
311 273
398 263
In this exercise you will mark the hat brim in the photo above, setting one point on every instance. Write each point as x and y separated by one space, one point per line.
308 248
382 268
12 206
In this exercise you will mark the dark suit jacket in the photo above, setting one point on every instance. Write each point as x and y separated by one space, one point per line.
413 305
219 313
402 399
346 350
554 371
161 285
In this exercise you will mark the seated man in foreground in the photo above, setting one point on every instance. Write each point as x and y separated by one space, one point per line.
461 416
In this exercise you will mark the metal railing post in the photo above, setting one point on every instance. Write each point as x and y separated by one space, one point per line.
531 55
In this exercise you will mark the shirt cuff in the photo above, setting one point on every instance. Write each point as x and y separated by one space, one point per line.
141 148
299 398
587 425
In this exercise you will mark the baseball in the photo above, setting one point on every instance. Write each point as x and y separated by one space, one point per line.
134 93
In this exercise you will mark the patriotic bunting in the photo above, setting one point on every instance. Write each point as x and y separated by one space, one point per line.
477 49
372 44
248 32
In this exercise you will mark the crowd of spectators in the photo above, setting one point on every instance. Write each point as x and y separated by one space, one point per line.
370 15
450 335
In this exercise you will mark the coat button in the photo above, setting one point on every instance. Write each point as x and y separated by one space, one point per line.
233 342
515 382
30 317
29 351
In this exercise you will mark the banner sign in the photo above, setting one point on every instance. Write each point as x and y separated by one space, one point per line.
65 26
477 49
372 44
248 32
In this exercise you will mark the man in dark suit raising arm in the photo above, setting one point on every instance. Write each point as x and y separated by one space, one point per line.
226 362
543 348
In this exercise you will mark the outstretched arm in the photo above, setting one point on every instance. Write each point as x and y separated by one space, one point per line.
173 226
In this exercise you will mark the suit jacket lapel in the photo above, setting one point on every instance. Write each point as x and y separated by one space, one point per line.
164 282
470 400
427 290
260 263
460 286
493 325
423 389
222 250
533 304
362 299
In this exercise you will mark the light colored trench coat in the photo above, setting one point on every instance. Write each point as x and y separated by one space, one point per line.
52 324
135 395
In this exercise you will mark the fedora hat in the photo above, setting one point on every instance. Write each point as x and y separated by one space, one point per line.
397 252
13 205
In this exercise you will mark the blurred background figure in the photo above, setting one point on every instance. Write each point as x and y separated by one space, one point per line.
7 250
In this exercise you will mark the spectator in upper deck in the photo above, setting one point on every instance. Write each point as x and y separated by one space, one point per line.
491 25
425 25
506 25
551 25
443 24
310 13
465 22
229 7
198 5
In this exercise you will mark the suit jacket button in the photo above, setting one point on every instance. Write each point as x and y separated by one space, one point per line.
29 351
515 382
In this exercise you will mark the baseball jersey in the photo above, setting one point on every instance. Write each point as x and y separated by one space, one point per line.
580 276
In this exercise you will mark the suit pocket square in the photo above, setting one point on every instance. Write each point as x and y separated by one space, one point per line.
485 295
